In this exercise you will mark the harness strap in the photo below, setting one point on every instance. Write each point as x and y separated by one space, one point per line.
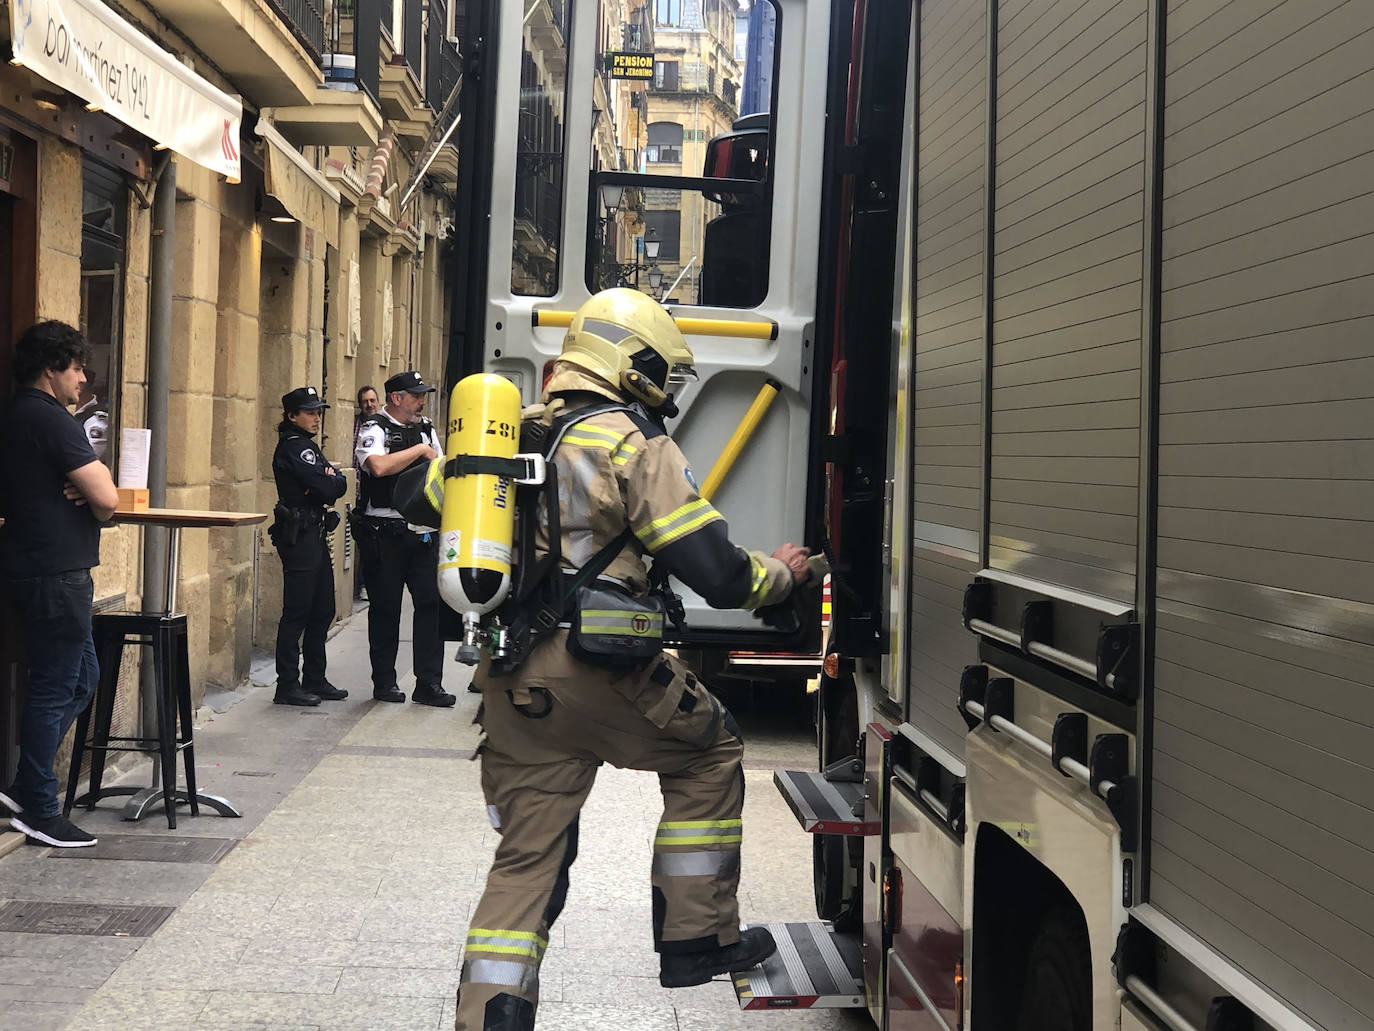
516 468
526 468
563 423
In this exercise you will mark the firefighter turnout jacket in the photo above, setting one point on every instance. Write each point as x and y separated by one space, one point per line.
620 468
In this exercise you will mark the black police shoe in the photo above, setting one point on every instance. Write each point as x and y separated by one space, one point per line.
294 694
388 694
432 694
682 971
328 692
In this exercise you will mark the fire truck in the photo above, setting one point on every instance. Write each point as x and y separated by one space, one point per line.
1063 312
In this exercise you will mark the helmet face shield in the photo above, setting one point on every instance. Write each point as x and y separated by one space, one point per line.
681 373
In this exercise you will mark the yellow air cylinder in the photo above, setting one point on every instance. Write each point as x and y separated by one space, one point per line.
478 516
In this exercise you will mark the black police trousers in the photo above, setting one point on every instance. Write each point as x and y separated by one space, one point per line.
307 609
395 558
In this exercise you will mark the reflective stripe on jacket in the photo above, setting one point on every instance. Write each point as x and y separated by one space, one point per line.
617 469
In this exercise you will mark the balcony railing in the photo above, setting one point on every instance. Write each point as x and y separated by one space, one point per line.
413 38
305 19
442 63
354 29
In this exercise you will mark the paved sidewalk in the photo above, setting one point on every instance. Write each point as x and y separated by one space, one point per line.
344 897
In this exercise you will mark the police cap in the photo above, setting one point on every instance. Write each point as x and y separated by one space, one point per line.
408 381
302 399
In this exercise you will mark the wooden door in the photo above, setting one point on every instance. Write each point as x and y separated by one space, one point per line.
18 308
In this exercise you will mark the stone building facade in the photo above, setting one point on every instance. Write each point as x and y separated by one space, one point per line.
694 96
304 267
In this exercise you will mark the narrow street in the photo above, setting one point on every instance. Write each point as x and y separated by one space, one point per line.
341 898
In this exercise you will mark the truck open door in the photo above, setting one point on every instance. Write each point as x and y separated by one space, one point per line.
590 131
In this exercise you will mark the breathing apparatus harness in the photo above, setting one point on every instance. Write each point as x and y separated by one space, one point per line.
542 591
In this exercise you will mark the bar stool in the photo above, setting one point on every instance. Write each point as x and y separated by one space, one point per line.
166 636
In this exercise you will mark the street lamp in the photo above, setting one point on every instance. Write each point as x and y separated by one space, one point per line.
610 198
650 244
626 273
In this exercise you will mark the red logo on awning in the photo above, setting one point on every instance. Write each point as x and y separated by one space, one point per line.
226 143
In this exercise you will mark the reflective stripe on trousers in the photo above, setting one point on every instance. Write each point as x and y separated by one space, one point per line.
507 973
695 864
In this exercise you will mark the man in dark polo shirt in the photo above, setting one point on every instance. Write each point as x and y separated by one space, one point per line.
56 494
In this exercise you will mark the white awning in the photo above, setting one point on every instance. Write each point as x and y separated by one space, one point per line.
303 191
87 49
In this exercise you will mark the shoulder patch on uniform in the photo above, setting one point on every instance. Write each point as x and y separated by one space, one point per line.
645 425
307 455
691 480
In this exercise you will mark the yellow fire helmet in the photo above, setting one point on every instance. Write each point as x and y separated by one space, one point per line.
629 340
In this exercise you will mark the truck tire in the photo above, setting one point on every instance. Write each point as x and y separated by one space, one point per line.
834 867
835 895
1056 991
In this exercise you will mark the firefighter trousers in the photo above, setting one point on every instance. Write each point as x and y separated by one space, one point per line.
547 729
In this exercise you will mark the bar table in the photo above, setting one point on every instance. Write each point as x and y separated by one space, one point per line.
174 521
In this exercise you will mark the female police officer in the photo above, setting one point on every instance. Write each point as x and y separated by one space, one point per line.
307 487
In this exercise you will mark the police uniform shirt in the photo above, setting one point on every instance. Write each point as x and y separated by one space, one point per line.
302 472
372 441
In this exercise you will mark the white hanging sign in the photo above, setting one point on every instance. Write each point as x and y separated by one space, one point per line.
87 49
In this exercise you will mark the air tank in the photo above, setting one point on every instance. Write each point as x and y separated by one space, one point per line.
478 515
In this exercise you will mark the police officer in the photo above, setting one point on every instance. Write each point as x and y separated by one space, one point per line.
556 718
394 555
307 487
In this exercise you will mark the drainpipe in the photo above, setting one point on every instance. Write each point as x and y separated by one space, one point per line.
160 267
160 270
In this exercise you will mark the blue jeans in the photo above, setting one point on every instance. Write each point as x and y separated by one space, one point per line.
55 612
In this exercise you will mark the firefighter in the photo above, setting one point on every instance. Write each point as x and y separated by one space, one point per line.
307 487
549 724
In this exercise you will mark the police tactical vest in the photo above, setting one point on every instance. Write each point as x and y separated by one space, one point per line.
377 490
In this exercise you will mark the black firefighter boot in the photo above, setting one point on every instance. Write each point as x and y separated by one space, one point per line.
686 969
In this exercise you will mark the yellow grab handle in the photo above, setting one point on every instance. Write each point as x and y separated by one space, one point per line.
740 437
689 326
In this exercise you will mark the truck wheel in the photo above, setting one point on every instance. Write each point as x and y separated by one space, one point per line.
837 729
837 895
835 870
1056 993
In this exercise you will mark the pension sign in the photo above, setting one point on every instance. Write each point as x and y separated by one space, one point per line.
630 65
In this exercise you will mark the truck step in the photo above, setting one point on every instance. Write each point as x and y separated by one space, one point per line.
814 968
825 806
